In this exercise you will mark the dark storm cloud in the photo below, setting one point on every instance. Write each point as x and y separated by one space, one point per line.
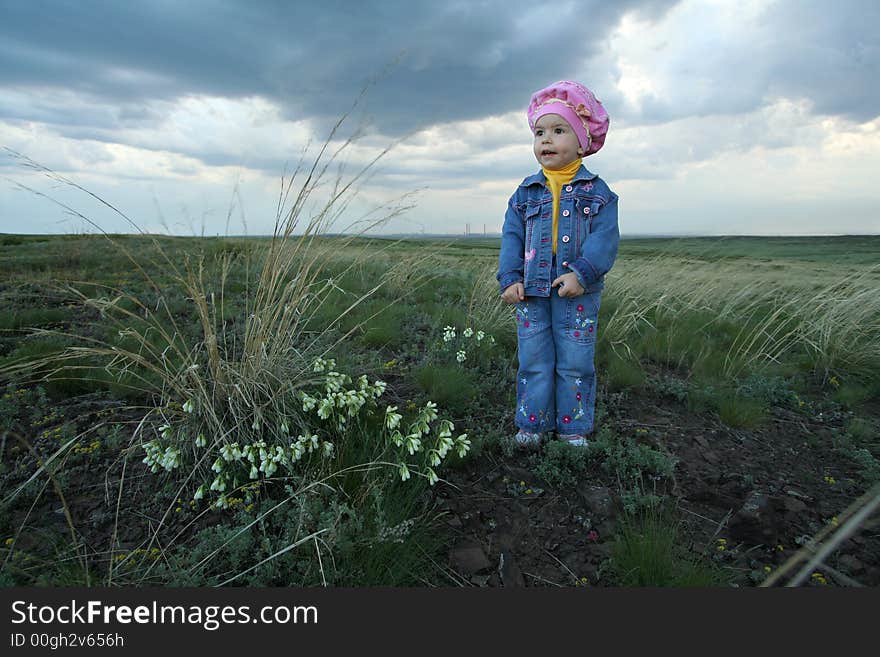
829 53
794 49
458 60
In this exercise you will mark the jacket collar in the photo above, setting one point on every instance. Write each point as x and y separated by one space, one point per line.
540 179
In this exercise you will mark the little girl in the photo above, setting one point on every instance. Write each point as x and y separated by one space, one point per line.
559 239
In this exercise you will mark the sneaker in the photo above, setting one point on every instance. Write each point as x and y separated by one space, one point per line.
575 439
526 439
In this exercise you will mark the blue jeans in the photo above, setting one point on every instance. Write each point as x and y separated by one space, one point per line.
556 381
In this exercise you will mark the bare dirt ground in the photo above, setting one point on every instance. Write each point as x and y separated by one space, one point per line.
746 501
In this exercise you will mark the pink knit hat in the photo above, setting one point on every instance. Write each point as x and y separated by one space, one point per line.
577 105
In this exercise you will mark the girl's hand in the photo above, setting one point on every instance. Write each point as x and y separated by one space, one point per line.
513 293
568 285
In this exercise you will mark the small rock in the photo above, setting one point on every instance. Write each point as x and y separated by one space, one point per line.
598 500
454 522
852 564
710 456
480 580
702 441
511 575
470 560
794 505
755 522
798 494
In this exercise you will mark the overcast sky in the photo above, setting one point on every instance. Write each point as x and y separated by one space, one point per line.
727 116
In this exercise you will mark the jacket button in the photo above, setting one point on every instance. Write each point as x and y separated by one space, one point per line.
565 213
565 264
586 210
568 188
565 238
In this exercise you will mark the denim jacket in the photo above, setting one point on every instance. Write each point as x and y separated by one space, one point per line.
587 241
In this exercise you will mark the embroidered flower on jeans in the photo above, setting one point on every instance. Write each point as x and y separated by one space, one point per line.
566 419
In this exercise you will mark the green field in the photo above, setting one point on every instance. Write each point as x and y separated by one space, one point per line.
164 421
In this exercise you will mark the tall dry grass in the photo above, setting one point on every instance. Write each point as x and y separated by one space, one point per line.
834 321
237 383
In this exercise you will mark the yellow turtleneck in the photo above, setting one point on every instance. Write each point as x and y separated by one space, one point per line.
556 178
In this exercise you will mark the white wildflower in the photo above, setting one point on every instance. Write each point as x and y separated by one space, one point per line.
468 332
413 443
464 444
335 381
443 446
325 408
403 471
297 451
480 336
432 477
430 411
188 406
230 452
392 418
200 440
445 429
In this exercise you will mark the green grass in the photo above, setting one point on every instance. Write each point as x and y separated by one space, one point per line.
16 319
678 331
621 373
741 412
450 386
647 553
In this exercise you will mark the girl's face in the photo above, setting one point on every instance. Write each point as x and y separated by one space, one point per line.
556 143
